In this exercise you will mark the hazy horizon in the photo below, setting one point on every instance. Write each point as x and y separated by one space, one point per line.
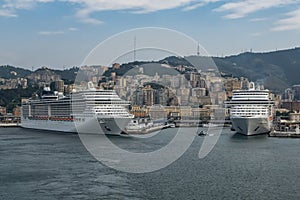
69 67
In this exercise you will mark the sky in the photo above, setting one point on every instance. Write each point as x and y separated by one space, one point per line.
61 33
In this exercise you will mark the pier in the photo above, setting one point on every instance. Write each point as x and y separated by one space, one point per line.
9 125
289 134
10 121
147 130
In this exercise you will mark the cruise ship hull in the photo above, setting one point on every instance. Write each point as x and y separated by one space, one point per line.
251 125
92 125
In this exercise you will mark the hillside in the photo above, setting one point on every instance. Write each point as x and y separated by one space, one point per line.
10 72
68 75
277 70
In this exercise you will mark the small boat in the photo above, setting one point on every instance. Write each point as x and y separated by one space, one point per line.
201 133
172 126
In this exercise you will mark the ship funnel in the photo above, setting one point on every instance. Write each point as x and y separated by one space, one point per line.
251 86
47 89
91 86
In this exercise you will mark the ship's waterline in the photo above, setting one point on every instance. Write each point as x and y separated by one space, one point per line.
90 125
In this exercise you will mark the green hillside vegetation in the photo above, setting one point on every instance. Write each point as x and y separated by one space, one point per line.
68 75
10 72
12 98
278 70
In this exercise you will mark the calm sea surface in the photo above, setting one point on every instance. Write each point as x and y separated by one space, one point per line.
51 165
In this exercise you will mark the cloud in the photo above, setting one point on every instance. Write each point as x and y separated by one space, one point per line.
240 9
143 6
8 8
197 5
58 32
291 22
7 13
134 6
259 19
89 20
72 29
48 33
233 9
22 4
87 7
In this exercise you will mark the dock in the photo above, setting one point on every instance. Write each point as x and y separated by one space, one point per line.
9 125
146 130
289 134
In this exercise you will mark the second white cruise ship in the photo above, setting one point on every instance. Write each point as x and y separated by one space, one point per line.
251 111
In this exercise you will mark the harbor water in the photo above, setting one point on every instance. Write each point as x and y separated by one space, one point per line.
51 165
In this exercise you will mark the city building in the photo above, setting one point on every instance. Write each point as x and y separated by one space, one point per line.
293 106
69 88
295 117
296 92
43 76
139 112
17 111
157 112
59 86
3 110
148 95
232 84
199 92
244 83
137 97
288 95
116 66
201 113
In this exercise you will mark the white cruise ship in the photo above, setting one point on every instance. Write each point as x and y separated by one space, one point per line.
251 111
88 111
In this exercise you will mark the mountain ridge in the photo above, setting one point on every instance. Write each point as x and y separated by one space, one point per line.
277 70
